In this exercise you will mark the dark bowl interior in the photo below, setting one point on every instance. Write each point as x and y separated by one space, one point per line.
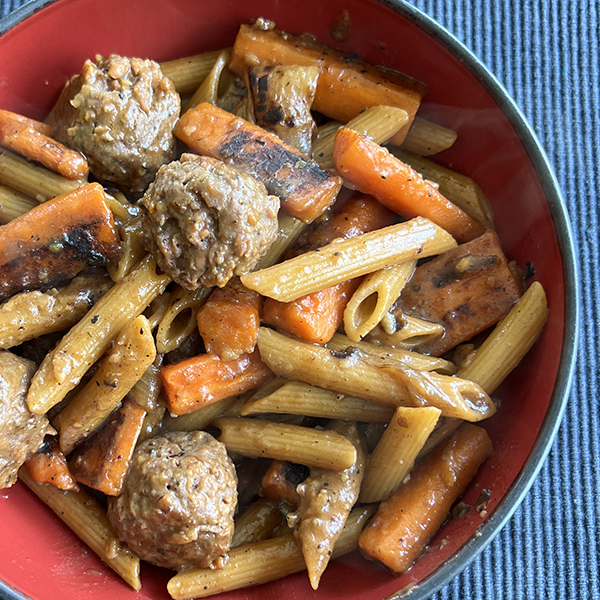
44 560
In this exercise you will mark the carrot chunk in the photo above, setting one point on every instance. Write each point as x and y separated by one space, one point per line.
202 380
49 465
372 169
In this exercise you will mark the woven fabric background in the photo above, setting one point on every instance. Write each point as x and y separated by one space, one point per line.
546 54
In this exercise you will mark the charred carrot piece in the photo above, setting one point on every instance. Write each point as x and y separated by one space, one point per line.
346 85
49 465
372 169
202 380
31 139
229 320
56 240
280 481
101 461
317 316
304 188
466 290
408 519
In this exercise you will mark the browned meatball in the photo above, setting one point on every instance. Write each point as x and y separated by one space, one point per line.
21 432
176 509
120 113
207 221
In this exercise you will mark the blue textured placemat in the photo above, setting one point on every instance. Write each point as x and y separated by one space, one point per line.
546 54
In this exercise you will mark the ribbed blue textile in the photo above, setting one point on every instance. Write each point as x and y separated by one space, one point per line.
546 54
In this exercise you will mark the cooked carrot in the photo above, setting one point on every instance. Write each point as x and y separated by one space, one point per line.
466 290
101 462
372 169
317 316
202 380
31 140
23 120
408 519
49 465
346 85
280 481
229 320
56 240
304 188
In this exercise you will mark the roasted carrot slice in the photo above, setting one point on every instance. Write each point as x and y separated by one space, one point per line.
372 169
466 290
280 481
56 240
408 519
202 380
49 465
346 85
31 140
229 320
101 462
317 316
304 188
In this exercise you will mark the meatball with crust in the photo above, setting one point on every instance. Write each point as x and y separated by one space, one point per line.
120 113
21 432
177 506
206 221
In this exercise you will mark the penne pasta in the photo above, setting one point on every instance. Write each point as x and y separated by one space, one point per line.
261 562
289 228
133 249
379 123
297 398
132 353
85 342
411 333
13 204
382 380
374 298
199 419
208 90
84 516
342 260
256 523
395 454
255 438
426 138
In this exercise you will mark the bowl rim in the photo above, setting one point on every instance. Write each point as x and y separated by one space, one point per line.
505 509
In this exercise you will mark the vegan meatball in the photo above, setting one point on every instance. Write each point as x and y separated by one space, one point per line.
206 221
119 112
177 506
21 432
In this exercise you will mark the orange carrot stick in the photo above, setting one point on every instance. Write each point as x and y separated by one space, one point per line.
229 320
56 240
101 461
37 125
27 138
372 169
49 465
304 188
408 519
276 485
346 85
317 316
202 380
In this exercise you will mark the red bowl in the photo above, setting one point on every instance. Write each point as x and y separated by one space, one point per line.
45 43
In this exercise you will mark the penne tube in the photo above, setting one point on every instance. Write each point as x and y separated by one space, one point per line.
414 360
133 249
289 228
303 445
374 298
132 353
189 72
87 341
342 260
510 340
395 454
459 189
208 90
33 180
379 123
179 318
30 315
297 398
412 333
13 204
84 516
323 131
426 138
146 391
261 562
199 419
381 380
256 523
444 428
